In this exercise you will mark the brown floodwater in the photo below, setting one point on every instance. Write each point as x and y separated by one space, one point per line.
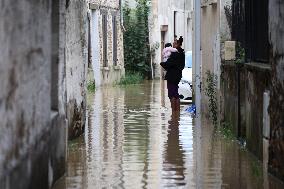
133 141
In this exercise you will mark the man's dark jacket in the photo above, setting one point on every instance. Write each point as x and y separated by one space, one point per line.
174 66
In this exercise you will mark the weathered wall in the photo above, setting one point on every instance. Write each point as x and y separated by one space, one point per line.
32 137
210 46
243 101
106 75
112 4
276 109
76 64
257 81
229 89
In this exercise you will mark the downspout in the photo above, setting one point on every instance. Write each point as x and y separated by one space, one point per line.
121 16
197 54
197 97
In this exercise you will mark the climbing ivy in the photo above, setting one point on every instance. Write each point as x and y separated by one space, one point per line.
211 92
136 38
240 53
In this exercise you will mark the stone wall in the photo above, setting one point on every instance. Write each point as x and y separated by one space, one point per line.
257 81
76 64
276 109
110 4
106 75
242 88
229 89
32 136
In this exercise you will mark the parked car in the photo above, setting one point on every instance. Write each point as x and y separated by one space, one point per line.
185 85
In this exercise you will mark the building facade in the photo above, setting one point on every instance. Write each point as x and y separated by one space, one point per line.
167 19
106 33
43 55
76 54
241 44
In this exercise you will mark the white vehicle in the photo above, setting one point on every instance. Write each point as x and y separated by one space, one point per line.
185 85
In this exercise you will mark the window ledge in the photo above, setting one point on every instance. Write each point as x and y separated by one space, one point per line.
118 67
106 68
259 66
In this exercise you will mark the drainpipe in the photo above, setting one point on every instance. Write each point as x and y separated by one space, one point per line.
197 53
121 16
197 97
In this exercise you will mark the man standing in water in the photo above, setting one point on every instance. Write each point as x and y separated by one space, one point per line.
174 66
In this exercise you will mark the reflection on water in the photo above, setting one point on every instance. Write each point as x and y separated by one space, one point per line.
133 141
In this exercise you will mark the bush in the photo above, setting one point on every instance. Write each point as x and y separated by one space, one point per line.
131 79
91 86
136 38
211 92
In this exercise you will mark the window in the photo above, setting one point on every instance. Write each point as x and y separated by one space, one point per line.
104 30
55 54
257 26
114 40
250 27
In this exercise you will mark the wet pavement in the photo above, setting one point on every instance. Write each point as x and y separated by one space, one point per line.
133 141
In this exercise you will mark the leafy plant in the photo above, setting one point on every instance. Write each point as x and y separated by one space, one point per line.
211 92
131 79
229 15
226 130
256 169
136 38
240 53
91 86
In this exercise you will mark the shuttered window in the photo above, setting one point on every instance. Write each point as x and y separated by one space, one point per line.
250 27
114 26
104 29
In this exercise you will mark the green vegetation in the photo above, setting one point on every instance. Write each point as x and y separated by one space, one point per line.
91 86
226 130
240 54
256 169
211 92
136 38
131 78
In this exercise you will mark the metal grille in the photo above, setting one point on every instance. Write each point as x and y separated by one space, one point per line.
250 27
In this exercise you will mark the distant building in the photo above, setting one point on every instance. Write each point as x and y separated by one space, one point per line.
167 19
106 35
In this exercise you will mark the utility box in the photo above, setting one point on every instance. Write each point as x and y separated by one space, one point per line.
230 50
266 117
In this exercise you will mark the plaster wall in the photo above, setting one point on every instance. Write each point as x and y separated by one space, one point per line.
32 137
276 108
76 64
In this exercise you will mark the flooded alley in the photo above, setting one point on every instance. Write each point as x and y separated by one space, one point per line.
131 140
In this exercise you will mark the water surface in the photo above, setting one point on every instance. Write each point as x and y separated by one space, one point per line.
133 141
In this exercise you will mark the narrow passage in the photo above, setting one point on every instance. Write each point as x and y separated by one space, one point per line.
133 141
